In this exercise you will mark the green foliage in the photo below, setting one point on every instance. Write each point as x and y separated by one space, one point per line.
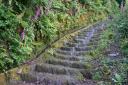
18 6
125 48
84 2
60 17
7 30
121 75
48 29
118 79
97 76
121 23
57 4
11 51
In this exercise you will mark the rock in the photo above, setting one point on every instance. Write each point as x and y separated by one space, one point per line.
113 54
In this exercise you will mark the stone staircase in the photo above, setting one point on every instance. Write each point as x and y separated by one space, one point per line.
68 65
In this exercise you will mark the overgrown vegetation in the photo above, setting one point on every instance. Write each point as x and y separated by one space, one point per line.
121 23
114 70
26 22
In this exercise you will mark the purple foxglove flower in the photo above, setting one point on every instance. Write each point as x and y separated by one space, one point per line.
37 13
22 35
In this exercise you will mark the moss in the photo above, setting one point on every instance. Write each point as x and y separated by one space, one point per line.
105 38
97 76
80 77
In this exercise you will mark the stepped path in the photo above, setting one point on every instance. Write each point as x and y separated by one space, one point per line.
69 64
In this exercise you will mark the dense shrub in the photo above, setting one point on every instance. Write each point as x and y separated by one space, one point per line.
12 51
121 24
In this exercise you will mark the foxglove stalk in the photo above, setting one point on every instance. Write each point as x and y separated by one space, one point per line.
22 35
37 13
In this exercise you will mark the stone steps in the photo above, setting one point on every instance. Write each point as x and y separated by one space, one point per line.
64 52
65 48
71 44
83 48
70 53
80 37
57 69
48 79
79 41
67 63
68 57
71 58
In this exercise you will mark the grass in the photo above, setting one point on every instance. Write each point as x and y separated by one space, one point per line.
105 39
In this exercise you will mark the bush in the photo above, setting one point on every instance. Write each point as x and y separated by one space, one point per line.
11 50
